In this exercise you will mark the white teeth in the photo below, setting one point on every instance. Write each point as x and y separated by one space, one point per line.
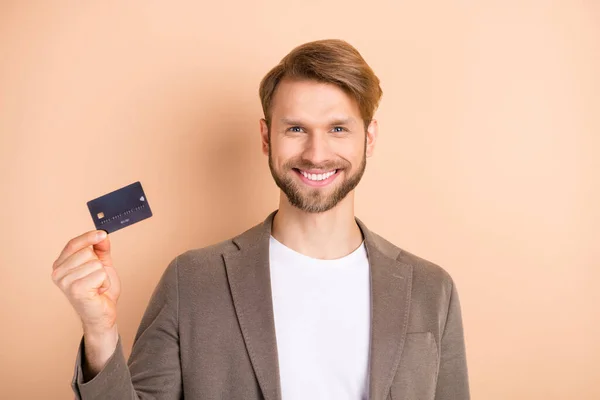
318 177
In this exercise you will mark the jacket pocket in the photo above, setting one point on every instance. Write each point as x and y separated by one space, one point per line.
417 371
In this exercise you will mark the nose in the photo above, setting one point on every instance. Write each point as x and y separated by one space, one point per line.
317 148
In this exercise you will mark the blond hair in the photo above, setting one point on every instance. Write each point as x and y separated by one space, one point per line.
330 61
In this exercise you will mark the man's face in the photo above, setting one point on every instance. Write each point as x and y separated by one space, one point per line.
317 144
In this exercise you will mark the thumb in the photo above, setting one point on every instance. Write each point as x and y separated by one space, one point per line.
102 250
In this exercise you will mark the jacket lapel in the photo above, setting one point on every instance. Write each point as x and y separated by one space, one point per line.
391 282
250 282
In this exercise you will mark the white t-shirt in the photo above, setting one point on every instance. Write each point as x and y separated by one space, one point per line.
322 324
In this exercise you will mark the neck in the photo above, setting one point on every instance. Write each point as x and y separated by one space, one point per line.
329 235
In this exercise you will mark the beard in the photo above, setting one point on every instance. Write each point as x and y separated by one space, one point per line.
314 200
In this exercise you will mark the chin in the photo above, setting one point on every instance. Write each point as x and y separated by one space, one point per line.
316 208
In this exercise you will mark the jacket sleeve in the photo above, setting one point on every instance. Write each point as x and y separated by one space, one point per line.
154 369
452 382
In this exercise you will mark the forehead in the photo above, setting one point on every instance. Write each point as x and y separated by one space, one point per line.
312 101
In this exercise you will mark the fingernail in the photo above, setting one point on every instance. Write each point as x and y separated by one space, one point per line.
101 235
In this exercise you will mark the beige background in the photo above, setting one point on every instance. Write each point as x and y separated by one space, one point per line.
487 163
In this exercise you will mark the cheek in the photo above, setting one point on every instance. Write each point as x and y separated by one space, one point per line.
281 154
353 151
284 150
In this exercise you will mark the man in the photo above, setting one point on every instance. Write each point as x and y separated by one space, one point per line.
309 304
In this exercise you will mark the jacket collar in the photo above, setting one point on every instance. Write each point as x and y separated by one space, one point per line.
249 279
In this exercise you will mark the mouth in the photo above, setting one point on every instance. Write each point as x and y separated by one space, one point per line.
317 178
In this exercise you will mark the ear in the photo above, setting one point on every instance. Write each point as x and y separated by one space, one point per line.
264 135
372 132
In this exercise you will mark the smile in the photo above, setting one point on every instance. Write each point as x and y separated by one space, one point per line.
319 179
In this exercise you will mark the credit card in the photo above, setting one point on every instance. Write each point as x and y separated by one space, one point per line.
121 208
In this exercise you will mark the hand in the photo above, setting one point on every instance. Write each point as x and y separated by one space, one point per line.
84 272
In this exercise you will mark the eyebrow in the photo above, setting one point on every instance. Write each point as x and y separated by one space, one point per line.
338 121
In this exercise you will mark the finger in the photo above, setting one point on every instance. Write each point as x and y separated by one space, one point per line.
73 261
77 273
91 283
78 243
105 285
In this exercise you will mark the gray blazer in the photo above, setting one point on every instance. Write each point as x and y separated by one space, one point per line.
208 331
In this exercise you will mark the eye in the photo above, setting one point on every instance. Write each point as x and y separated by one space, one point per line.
295 129
339 129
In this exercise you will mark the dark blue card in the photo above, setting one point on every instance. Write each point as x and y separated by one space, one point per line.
120 208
